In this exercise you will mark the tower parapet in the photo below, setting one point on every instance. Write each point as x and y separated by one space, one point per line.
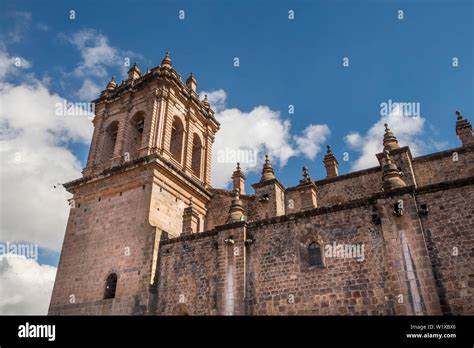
269 193
331 164
238 180
154 113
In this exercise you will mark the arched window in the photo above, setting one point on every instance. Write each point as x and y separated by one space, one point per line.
110 286
196 159
314 255
176 146
110 138
135 134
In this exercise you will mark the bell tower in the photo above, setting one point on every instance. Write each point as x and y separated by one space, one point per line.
153 113
149 160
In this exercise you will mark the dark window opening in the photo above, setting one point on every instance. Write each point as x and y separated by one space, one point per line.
110 286
176 145
109 141
196 156
139 125
314 255
134 139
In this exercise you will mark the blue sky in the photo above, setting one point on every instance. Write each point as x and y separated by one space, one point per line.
282 62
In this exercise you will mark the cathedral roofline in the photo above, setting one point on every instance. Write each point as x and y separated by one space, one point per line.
348 175
229 193
444 153
267 182
127 166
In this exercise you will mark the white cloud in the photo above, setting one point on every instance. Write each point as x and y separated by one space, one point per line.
313 137
96 53
407 130
246 136
89 90
97 58
216 98
25 286
11 65
34 155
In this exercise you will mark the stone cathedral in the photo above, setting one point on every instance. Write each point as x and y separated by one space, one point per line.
148 235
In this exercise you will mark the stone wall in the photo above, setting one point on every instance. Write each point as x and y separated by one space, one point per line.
349 187
275 269
115 226
187 278
279 275
218 209
401 264
107 232
444 166
449 228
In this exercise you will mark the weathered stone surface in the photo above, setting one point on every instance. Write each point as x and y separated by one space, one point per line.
345 245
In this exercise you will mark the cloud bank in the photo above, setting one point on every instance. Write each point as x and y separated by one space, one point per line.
251 135
25 286
407 129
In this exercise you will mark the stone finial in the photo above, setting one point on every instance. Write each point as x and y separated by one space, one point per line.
112 84
134 72
390 142
205 102
191 82
391 177
166 63
267 171
306 177
331 164
191 201
464 130
236 210
238 179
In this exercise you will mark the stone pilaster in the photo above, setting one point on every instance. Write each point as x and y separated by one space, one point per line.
208 160
190 220
92 157
232 261
412 287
